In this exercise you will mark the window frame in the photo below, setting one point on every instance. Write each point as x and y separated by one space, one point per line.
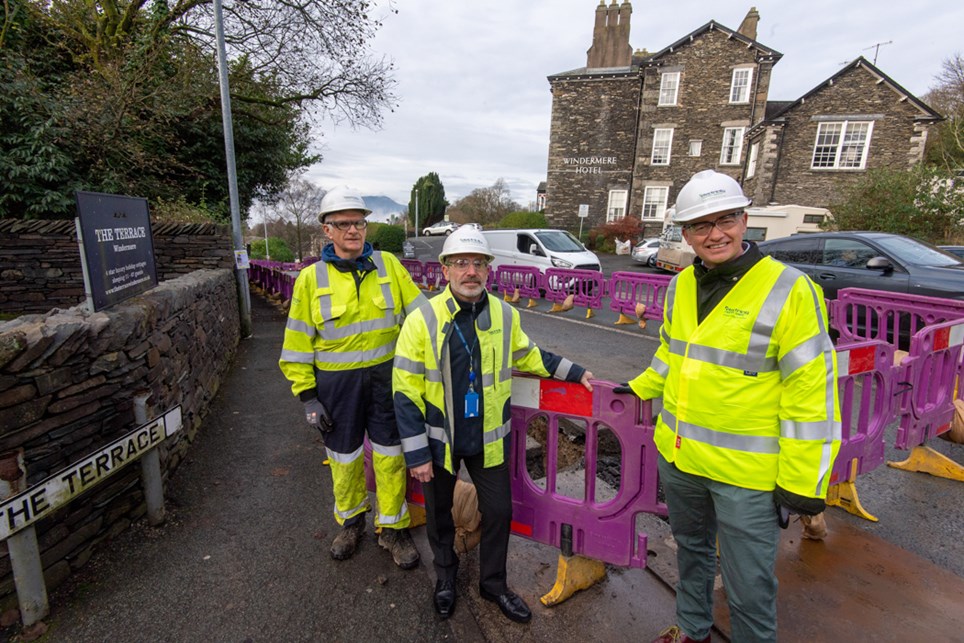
841 146
660 204
736 146
742 91
668 146
665 88
611 207
698 142
751 160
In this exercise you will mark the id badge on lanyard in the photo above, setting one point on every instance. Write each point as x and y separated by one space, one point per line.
471 398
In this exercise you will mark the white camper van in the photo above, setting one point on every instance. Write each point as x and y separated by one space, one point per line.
543 248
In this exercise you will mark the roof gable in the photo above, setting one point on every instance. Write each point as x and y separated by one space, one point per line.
713 25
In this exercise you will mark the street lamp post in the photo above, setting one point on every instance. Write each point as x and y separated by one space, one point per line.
244 295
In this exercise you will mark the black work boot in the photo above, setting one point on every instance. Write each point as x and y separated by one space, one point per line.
399 543
345 543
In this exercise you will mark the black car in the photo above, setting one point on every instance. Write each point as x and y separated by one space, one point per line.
874 260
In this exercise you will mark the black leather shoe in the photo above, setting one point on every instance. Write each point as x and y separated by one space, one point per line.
511 605
444 599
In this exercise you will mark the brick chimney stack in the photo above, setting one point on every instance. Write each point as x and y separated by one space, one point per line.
748 26
610 36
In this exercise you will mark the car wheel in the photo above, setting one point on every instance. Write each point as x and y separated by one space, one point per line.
448 232
651 262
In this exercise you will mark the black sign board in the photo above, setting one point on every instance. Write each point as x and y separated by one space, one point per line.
117 247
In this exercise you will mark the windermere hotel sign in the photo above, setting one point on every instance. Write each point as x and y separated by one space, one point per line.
588 164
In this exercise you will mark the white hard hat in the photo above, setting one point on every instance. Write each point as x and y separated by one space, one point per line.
342 198
465 240
708 192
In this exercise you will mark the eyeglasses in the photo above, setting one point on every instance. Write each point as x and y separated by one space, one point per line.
724 223
462 263
360 224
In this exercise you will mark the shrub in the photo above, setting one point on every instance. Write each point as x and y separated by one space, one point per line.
603 238
388 238
279 250
524 220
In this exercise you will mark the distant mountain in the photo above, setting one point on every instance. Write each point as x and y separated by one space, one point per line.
383 208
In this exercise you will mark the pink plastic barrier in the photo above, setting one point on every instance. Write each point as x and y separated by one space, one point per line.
626 289
874 314
270 276
414 268
586 286
432 270
600 529
528 279
930 379
865 381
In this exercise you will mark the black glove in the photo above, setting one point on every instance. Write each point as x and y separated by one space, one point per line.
788 503
624 388
317 416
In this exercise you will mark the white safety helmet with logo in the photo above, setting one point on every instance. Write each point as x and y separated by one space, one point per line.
465 240
708 192
339 199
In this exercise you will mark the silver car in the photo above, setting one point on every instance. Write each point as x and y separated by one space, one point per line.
440 227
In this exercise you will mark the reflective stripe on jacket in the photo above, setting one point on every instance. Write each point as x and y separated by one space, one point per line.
335 324
750 394
422 378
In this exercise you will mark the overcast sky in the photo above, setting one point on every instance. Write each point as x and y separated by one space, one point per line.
474 102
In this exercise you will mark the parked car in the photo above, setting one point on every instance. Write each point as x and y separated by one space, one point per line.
954 250
875 260
473 226
440 227
645 252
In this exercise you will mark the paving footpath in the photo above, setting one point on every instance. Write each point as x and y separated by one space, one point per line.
243 556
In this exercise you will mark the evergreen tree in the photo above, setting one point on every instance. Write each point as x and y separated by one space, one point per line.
431 201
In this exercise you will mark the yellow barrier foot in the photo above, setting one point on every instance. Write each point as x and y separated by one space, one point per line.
926 460
589 313
564 306
325 462
844 495
573 574
532 304
623 319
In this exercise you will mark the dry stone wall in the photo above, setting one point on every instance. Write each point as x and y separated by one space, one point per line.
67 379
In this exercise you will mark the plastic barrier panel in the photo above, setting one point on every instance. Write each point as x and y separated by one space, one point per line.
527 279
874 314
627 289
930 377
414 268
602 528
434 279
865 382
586 287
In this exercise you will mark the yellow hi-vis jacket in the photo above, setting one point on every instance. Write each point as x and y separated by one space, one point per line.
335 324
421 382
750 394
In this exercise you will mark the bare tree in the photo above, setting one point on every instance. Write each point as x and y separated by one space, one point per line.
298 206
946 147
487 205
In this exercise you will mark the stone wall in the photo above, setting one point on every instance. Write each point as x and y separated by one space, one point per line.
67 379
856 95
40 265
591 146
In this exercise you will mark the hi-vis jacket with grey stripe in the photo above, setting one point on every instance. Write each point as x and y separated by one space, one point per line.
424 408
338 325
750 394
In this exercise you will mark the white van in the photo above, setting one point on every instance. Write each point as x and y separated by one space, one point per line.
543 248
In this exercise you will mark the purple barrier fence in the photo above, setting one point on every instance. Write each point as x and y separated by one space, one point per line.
865 382
269 276
603 529
414 268
931 375
528 279
626 289
859 314
433 277
586 286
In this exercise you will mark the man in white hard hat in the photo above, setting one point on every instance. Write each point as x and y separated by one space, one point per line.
452 387
345 316
750 424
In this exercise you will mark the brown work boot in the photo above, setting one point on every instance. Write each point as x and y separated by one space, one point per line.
399 542
814 527
673 634
345 543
